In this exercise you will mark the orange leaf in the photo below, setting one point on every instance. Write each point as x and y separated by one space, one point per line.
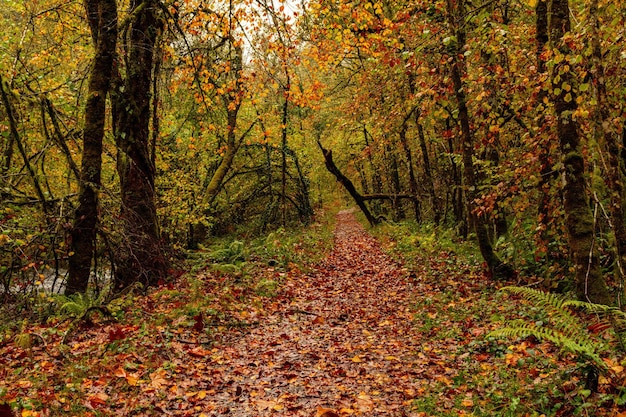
98 399
325 412
199 352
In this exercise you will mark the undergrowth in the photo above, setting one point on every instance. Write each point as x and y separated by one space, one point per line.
469 371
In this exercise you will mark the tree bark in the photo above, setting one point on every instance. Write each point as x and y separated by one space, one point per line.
409 161
497 268
102 18
142 257
545 217
607 137
590 285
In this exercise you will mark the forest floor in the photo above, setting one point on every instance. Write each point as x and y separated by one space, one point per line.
356 333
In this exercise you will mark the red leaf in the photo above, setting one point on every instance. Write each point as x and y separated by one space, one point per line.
199 322
116 334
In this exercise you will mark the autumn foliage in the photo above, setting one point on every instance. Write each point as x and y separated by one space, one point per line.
135 135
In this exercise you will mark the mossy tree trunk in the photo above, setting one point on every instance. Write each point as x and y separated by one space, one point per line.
497 268
590 285
102 18
609 139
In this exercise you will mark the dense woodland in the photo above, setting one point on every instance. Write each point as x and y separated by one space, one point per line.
132 131
135 132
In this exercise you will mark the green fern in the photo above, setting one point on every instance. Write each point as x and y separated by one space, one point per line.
76 305
233 252
565 329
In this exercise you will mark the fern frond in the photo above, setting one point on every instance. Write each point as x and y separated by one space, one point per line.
556 307
588 351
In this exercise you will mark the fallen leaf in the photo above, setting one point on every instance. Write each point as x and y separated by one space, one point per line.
364 402
199 352
265 404
132 379
98 399
157 378
467 402
120 373
325 412
116 334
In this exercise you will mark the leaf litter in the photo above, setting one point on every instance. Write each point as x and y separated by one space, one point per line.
358 334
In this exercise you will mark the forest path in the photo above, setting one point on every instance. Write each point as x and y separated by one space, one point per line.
340 341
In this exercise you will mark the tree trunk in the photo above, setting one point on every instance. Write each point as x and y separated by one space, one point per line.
217 179
428 174
15 139
392 164
547 177
377 181
348 185
497 268
283 143
590 285
142 256
608 138
409 161
102 18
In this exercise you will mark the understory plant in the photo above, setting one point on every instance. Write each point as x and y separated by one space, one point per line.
592 332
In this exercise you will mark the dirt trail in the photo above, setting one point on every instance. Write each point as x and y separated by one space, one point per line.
341 339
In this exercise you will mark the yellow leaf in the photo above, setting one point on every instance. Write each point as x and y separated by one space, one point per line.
467 402
201 395
132 379
357 359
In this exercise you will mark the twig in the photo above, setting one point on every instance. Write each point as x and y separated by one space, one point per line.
298 311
